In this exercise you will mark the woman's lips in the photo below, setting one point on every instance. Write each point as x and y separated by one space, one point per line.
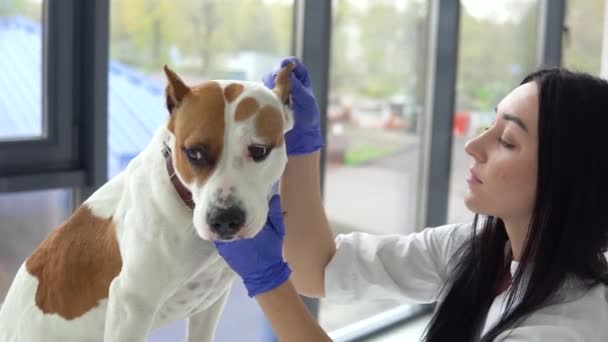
472 178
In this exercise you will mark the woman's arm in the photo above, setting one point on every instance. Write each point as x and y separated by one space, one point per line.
309 243
289 318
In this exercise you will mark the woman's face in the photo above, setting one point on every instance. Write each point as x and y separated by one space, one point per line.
502 178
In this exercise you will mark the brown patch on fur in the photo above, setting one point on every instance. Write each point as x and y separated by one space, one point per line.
282 83
232 91
199 123
246 108
75 265
269 125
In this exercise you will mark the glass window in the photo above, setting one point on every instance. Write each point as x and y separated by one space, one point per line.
20 70
377 85
26 218
582 44
501 37
200 40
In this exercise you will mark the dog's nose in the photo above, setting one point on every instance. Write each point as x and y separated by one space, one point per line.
226 221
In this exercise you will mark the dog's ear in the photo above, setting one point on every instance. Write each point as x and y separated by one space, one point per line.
176 89
282 83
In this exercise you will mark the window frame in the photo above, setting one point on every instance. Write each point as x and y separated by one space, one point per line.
74 90
551 29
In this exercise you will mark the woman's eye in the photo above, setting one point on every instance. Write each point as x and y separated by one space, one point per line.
505 144
197 156
259 152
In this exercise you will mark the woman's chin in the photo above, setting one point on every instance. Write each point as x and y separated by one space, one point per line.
474 207
472 203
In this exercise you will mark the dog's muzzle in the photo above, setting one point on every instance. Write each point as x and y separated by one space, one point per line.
226 222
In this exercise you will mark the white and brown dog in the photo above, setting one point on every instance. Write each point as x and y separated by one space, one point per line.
137 254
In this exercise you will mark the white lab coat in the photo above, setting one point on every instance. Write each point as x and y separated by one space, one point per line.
414 267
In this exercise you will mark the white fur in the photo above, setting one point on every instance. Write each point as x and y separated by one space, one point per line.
168 271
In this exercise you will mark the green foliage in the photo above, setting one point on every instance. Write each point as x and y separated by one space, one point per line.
378 47
28 9
493 58
583 41
141 30
145 33
375 48
365 153
342 65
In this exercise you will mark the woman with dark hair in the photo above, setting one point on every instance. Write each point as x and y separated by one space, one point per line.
531 265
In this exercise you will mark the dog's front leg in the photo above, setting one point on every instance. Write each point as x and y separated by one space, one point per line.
201 326
132 305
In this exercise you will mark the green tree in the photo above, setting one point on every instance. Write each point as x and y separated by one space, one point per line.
203 18
281 18
251 27
28 9
376 49
343 67
583 42
386 46
141 30
493 57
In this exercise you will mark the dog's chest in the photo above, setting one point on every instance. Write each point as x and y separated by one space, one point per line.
196 295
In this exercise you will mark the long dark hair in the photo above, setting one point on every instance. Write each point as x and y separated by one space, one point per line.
568 230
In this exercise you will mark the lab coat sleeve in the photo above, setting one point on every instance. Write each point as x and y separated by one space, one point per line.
410 267
543 334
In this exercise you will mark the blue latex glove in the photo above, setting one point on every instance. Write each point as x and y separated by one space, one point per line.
259 260
305 137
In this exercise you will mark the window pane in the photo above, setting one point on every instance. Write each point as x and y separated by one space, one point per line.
583 39
26 218
20 70
200 40
501 37
377 79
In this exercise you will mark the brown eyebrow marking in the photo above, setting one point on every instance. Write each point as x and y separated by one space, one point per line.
232 91
200 121
246 108
269 125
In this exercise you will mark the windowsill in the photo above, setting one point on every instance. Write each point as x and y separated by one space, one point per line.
388 323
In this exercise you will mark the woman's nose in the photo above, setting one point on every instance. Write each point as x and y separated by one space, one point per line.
474 149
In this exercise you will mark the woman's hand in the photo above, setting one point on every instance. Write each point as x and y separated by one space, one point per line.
305 137
259 260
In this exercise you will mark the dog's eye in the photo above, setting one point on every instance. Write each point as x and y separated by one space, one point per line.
259 152
197 156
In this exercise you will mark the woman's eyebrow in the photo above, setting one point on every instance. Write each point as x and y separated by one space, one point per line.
513 118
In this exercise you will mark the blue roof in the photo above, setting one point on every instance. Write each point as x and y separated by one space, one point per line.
136 105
